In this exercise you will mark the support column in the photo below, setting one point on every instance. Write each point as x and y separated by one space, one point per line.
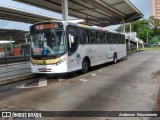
11 45
5 51
26 41
143 45
124 27
121 28
65 10
87 19
137 45
129 40
27 38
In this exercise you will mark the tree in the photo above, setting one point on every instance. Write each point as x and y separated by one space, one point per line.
142 27
154 40
155 22
156 27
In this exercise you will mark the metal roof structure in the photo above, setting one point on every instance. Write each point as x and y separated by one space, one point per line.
94 12
17 35
14 14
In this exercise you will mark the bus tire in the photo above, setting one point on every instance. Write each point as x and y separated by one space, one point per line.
115 58
85 66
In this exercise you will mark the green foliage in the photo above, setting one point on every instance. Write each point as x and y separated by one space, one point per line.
149 48
155 22
154 40
145 29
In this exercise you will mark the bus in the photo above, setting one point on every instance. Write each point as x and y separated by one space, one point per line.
61 47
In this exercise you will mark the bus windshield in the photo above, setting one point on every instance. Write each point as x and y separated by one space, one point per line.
48 42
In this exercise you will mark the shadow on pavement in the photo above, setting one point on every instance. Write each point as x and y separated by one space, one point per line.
79 73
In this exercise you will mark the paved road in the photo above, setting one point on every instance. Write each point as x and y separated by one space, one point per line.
14 69
126 86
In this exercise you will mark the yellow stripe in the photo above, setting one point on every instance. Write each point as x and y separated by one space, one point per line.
51 61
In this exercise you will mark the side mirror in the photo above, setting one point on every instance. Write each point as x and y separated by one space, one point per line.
71 40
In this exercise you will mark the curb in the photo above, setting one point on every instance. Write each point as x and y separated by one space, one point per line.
17 78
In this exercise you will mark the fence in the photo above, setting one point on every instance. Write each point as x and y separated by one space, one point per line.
17 54
5 60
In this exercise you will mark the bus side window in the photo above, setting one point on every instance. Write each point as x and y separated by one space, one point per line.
88 36
115 39
101 37
97 38
93 37
118 39
104 37
111 39
83 36
123 39
108 38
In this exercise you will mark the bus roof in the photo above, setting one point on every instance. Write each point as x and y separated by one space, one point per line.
81 25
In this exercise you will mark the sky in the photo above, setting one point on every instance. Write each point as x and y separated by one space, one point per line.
142 5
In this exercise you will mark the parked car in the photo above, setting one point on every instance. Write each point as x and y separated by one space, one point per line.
147 45
157 44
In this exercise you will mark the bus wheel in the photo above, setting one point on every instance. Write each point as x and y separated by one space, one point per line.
115 58
85 66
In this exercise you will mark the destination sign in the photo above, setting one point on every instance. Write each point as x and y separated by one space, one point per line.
44 26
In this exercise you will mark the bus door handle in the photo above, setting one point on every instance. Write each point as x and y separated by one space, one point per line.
78 55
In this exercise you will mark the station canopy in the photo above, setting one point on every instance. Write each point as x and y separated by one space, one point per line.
94 12
19 15
14 14
16 35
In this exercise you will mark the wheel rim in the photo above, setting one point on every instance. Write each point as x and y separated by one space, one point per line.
85 66
115 59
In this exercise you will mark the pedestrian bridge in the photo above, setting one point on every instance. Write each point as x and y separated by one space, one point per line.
132 39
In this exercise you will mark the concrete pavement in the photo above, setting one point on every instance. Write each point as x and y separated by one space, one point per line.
125 86
15 72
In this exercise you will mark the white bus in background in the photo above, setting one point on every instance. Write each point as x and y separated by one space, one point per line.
60 47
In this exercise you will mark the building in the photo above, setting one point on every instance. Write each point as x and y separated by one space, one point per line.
155 6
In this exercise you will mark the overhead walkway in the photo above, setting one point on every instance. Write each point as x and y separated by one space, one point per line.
131 38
